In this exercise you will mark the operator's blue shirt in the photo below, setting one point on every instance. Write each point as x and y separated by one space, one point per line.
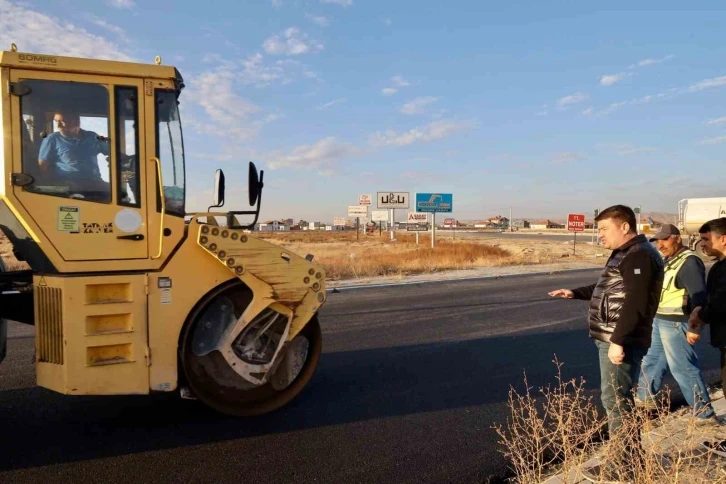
74 157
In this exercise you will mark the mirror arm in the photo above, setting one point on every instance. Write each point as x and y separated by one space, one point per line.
231 215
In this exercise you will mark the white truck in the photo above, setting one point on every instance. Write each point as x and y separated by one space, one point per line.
693 213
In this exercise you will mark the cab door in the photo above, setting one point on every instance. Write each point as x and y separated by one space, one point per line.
165 169
80 144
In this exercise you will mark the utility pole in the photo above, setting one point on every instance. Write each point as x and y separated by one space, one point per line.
510 219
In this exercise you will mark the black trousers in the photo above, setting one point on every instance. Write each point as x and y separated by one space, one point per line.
723 365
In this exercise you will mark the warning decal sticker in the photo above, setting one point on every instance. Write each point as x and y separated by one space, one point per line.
68 219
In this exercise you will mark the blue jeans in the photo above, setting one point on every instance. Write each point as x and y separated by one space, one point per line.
617 382
669 349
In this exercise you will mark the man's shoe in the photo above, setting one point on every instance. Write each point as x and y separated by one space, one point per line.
601 474
648 404
708 421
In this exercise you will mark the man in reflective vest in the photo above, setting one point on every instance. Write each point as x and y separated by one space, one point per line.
684 288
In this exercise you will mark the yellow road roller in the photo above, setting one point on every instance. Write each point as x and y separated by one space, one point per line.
127 292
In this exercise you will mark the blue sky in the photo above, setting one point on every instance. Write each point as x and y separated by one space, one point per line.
547 107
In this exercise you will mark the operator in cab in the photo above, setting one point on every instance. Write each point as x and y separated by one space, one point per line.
69 157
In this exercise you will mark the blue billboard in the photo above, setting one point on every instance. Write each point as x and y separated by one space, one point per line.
434 202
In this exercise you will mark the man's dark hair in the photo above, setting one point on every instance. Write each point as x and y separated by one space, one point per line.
717 226
621 213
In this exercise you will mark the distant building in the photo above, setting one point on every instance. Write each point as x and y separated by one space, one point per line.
546 224
273 226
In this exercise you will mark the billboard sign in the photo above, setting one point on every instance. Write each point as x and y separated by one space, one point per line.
434 202
379 215
357 211
366 199
392 199
339 222
417 227
416 218
575 222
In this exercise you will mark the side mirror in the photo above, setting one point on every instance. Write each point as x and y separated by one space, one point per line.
218 189
254 184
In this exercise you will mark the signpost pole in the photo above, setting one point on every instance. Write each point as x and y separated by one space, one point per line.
357 229
574 243
433 229
417 237
392 223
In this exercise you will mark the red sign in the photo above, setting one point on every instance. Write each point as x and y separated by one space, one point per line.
449 221
575 222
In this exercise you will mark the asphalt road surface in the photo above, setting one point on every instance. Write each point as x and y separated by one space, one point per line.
410 383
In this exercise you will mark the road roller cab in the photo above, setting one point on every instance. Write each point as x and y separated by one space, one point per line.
129 293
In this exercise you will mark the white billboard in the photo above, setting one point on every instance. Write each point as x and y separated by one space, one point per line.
357 211
339 222
392 199
379 215
366 199
418 218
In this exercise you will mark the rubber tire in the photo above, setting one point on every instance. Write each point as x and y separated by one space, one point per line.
271 399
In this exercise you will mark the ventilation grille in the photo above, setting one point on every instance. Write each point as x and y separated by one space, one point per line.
49 324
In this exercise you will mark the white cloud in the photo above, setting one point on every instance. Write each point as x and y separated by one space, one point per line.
113 29
610 79
318 20
650 62
323 155
37 32
230 115
290 42
388 22
276 3
418 105
253 70
400 81
713 141
571 99
612 108
587 111
568 156
122 3
431 132
627 150
397 82
331 103
342 3
708 83
717 120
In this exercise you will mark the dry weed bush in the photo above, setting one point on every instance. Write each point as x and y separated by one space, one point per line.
559 430
342 257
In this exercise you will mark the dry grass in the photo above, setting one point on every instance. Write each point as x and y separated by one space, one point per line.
343 257
560 430
6 253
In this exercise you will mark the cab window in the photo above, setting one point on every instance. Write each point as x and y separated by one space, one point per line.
65 139
170 151
127 146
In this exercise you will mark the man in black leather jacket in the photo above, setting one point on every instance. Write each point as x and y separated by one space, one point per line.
713 313
623 303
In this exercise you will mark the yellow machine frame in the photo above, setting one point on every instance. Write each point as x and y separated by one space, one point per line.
110 315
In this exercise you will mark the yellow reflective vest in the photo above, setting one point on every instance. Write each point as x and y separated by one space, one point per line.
674 300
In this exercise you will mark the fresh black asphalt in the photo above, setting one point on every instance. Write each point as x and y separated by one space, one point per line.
411 381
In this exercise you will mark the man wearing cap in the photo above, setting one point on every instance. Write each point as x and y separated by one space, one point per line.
684 288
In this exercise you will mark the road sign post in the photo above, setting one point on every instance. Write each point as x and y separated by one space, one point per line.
434 203
575 223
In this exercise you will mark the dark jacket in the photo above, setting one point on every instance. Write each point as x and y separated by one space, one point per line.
714 312
625 298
